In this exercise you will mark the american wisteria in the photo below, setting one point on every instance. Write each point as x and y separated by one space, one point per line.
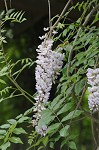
49 64
93 81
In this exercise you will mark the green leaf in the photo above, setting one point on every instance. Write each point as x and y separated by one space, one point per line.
12 121
29 111
69 90
38 142
2 81
52 145
41 147
23 119
80 55
2 137
47 117
65 32
91 62
19 116
16 140
65 108
19 131
57 106
53 128
64 131
60 25
4 71
5 126
5 146
71 26
45 120
72 136
1 99
72 145
64 87
2 131
64 142
71 115
79 86
55 101
45 141
46 113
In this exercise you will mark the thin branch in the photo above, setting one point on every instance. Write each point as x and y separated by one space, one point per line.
6 5
49 7
59 18
62 13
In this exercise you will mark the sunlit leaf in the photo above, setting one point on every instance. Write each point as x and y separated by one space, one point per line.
16 140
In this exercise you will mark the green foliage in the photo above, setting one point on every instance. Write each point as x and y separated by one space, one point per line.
64 113
9 133
14 16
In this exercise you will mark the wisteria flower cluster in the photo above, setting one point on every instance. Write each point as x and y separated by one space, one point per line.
93 81
49 64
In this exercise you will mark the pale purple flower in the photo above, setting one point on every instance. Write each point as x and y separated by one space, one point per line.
41 130
49 64
93 81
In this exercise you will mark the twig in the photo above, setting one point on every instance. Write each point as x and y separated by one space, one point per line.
59 18
65 8
49 7
6 5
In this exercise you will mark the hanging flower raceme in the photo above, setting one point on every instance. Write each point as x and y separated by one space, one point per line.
93 81
49 64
